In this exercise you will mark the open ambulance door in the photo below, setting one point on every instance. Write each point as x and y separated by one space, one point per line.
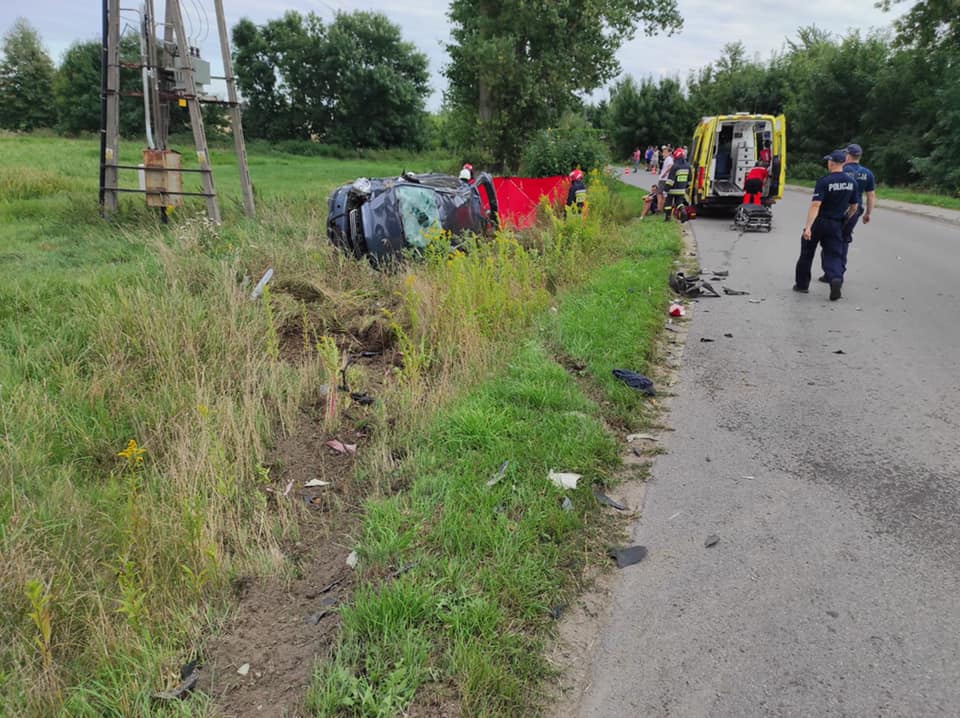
778 165
703 156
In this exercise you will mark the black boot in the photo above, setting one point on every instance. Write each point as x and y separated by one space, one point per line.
666 215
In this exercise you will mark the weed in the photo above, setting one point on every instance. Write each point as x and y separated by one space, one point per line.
330 361
39 596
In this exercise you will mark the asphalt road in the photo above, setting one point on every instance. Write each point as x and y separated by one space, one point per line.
832 480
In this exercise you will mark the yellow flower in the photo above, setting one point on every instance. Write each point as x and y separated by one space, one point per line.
133 453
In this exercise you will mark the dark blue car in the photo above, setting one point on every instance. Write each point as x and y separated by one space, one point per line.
380 218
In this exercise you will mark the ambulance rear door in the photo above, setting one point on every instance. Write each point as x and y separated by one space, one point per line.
778 165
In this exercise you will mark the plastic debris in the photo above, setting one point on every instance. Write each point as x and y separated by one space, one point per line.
728 335
711 540
327 603
566 504
244 669
677 310
706 339
403 569
839 351
501 472
261 285
638 437
734 292
557 611
362 398
635 381
564 479
754 301
342 448
189 677
353 559
607 501
628 556
315 483
691 286
286 491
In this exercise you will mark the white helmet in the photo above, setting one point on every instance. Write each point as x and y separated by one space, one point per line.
465 174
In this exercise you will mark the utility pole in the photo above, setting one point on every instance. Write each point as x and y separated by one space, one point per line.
196 117
110 106
170 74
235 124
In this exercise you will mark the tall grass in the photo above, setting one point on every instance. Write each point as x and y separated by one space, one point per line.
117 558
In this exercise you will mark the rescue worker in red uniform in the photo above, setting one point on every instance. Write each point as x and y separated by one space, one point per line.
754 183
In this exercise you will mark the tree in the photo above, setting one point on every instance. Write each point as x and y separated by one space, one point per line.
77 89
648 114
382 83
354 82
26 81
515 67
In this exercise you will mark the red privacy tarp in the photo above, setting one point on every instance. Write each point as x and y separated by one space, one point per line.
519 197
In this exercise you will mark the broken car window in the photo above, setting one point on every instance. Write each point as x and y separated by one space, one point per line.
419 214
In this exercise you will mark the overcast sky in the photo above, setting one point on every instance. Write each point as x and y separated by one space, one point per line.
708 24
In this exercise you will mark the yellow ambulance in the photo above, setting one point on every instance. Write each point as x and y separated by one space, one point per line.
726 147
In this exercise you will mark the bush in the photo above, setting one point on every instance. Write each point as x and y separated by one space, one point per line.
558 150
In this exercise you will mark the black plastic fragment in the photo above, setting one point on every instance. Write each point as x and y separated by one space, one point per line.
628 556
711 540
635 381
190 676
734 292
607 501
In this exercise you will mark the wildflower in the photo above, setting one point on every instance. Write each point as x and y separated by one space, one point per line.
133 454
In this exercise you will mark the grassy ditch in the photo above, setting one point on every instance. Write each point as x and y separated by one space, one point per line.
905 194
142 394
481 567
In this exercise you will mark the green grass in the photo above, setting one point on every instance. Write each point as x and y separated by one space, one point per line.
488 563
128 329
605 324
902 194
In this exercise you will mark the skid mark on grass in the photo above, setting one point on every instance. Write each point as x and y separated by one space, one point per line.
281 627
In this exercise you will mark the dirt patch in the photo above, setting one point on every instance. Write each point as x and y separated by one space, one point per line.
282 627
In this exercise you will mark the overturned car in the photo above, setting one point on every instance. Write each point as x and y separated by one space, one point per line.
380 218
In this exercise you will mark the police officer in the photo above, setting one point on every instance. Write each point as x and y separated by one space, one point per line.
578 190
834 200
677 182
866 185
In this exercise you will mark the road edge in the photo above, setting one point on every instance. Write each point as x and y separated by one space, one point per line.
938 214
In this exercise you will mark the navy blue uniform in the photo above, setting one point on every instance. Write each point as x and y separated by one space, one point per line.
866 182
577 194
835 192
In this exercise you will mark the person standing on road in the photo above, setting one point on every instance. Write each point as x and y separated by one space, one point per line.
677 183
866 185
636 160
834 200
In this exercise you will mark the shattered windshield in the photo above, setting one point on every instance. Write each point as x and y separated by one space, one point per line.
419 214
